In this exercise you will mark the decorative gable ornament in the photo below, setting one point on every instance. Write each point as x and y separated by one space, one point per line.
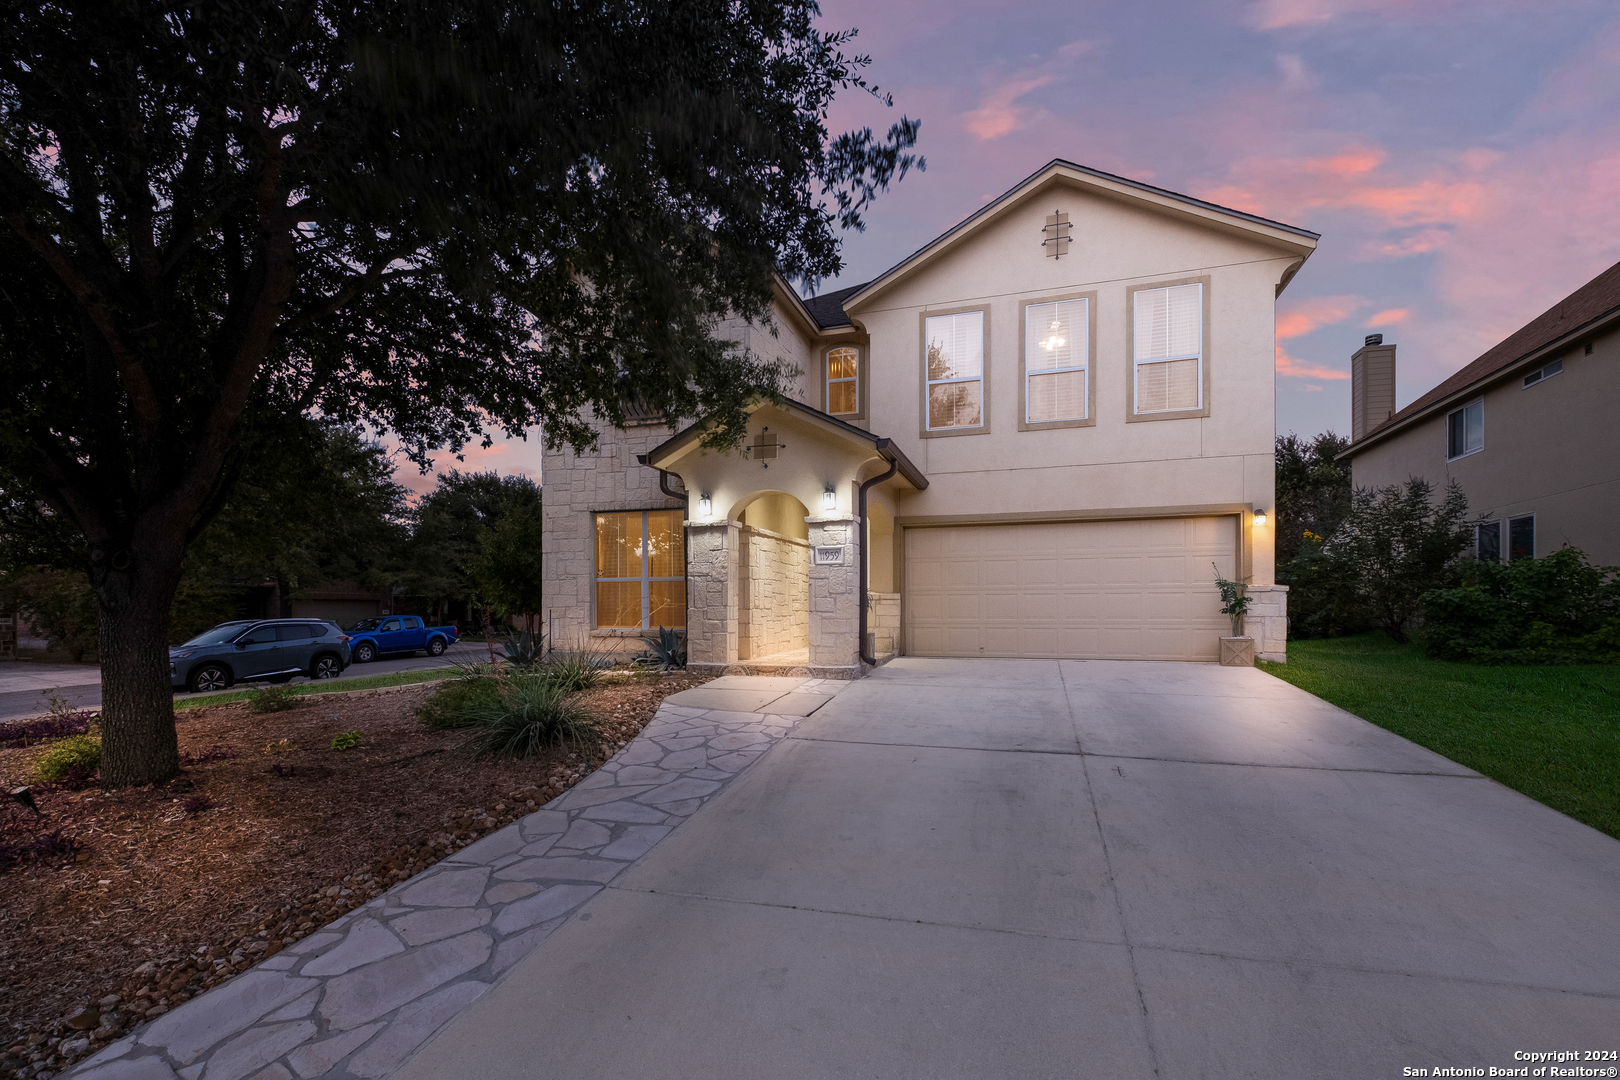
764 447
1056 233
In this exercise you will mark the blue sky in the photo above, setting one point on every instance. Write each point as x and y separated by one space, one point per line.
1460 157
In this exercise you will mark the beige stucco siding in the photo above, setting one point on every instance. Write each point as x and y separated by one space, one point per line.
1552 449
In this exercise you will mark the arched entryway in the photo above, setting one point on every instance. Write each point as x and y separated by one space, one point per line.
773 579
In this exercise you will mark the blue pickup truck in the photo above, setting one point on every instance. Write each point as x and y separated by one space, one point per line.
371 638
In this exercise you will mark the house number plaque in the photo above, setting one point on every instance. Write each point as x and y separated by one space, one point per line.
828 556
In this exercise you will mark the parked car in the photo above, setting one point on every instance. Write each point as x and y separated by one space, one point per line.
371 638
271 649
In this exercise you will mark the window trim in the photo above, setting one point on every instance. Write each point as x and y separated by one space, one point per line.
860 379
1090 419
1205 360
646 579
1446 429
923 430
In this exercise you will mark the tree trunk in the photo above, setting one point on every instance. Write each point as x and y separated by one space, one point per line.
134 590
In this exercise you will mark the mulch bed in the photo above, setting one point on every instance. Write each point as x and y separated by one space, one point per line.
127 903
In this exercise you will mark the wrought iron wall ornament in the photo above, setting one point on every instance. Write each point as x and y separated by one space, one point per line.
763 449
1056 233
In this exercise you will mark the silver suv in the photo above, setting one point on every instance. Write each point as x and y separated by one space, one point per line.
271 649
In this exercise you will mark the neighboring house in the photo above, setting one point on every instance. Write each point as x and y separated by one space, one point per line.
1528 430
1058 417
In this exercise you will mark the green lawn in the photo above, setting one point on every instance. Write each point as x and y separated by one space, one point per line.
326 686
1551 732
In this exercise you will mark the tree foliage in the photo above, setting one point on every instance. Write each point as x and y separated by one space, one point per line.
1398 543
443 218
446 563
1313 498
1556 609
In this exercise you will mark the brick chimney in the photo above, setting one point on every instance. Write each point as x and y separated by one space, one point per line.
1372 386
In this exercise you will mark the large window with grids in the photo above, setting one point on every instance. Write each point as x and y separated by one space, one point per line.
1168 348
843 381
955 371
1056 344
640 570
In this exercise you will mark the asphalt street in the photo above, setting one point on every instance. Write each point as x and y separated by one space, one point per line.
25 686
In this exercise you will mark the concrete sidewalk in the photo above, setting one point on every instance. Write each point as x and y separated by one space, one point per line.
979 868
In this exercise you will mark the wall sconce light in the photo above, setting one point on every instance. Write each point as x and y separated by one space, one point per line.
1260 518
829 498
705 505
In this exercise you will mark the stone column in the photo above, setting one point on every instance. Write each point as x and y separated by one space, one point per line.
834 597
711 595
1267 622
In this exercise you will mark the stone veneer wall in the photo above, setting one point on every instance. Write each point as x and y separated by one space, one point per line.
576 486
1267 622
773 584
834 600
883 623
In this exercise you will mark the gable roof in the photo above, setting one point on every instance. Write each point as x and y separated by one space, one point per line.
1289 237
1584 309
828 308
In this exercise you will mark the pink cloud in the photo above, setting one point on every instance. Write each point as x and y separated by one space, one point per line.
1289 367
998 113
1388 317
1306 316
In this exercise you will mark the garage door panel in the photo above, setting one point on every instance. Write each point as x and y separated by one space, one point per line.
1117 589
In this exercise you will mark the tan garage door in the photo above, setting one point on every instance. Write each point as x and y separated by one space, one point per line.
1125 590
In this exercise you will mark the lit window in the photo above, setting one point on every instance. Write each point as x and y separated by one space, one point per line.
1056 338
955 370
1465 430
843 390
640 570
1169 348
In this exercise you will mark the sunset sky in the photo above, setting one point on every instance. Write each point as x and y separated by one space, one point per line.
1461 158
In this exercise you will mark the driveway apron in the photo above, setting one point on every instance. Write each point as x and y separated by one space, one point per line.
982 868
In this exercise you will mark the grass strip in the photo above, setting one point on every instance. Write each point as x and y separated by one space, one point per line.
1551 732
326 686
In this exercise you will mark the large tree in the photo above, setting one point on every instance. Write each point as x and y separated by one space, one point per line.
436 216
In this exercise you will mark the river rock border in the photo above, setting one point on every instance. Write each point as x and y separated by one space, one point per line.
353 1000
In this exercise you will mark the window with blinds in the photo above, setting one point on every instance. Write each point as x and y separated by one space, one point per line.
640 570
843 381
955 370
1169 348
1056 343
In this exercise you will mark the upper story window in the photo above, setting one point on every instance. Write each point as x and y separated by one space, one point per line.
1543 374
640 570
1056 347
843 381
955 370
1465 430
1169 348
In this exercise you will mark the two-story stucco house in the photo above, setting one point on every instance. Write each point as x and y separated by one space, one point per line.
1040 435
1527 429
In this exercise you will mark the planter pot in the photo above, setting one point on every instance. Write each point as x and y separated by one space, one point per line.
1237 652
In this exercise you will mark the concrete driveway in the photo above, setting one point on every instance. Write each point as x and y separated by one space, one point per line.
985 868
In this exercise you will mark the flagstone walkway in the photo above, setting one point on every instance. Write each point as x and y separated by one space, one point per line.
354 1000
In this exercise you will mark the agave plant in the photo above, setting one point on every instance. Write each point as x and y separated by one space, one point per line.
669 647
523 650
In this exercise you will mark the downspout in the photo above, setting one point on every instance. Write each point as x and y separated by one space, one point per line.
894 466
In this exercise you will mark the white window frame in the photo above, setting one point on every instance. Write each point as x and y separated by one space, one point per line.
647 577
1463 409
982 378
1543 373
828 381
1136 411
1083 338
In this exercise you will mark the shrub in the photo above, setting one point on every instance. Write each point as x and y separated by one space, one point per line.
1554 610
346 741
521 651
528 715
453 704
46 728
572 670
75 750
669 647
269 699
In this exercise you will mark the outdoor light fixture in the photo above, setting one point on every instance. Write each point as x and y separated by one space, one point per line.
1260 518
829 498
705 505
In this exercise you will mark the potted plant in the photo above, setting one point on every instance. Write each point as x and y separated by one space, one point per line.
1237 650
